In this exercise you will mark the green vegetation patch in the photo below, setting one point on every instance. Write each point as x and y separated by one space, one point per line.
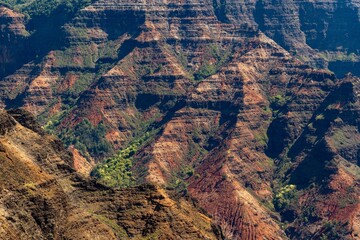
36 8
82 83
77 32
345 137
261 138
217 54
88 139
278 101
81 56
178 180
340 56
205 71
116 171
334 230
284 197
109 50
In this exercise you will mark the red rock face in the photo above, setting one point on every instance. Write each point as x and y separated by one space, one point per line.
80 163
234 119
12 35
43 197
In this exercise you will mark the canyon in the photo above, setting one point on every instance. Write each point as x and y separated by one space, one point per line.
222 113
42 197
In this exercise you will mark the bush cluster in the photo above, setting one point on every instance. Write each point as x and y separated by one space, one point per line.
88 139
283 198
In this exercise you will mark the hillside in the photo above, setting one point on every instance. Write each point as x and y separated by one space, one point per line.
228 103
42 197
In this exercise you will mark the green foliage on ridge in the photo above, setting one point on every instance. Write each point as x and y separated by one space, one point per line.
207 69
278 101
116 171
35 8
204 71
334 230
87 139
65 58
283 198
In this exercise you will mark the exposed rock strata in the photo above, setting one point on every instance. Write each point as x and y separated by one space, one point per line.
214 81
44 198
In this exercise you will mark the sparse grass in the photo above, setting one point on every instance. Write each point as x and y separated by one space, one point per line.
36 8
209 66
119 231
153 236
320 117
344 137
278 101
347 201
80 56
261 138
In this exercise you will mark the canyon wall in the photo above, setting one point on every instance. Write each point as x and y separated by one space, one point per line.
215 101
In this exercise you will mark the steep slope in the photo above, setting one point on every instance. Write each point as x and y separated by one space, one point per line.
43 198
322 33
12 37
326 169
196 97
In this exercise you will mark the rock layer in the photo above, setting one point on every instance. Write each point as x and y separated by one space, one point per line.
210 102
44 198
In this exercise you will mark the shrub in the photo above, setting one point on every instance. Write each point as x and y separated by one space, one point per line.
116 170
334 230
205 71
87 139
220 55
46 7
320 117
278 101
283 198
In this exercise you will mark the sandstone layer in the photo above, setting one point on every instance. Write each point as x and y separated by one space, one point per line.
42 197
213 100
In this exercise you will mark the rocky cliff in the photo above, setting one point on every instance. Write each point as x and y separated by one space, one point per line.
42 197
212 100
13 36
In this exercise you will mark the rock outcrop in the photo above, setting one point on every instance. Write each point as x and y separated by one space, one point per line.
42 197
214 100
13 35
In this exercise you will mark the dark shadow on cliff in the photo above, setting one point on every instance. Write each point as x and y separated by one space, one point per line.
220 10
